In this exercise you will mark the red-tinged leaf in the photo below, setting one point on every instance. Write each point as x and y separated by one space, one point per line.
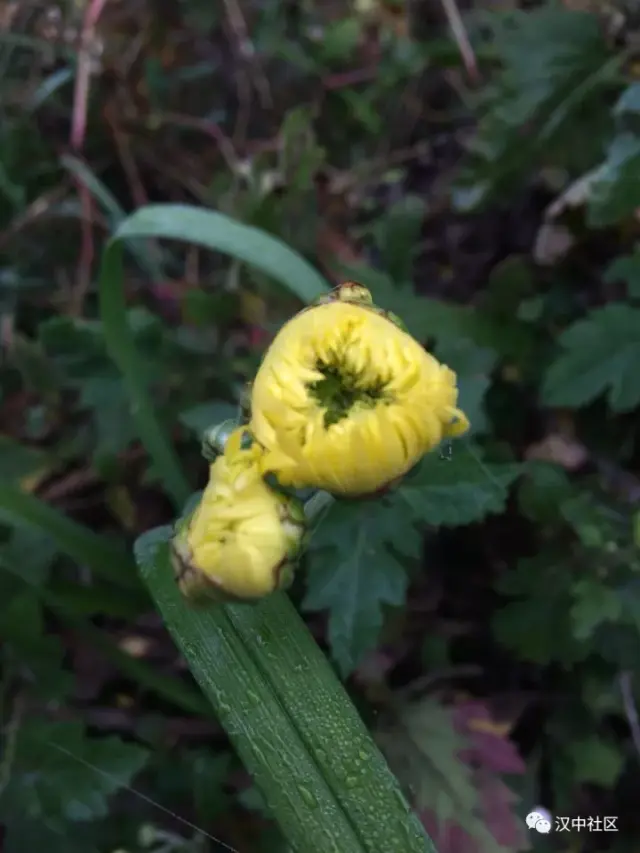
497 807
488 742
448 837
449 760
498 754
423 747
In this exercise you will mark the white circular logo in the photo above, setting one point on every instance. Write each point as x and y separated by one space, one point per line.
539 820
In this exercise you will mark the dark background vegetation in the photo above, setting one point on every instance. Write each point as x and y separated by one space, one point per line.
484 179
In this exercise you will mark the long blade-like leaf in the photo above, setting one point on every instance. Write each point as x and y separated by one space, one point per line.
220 233
98 553
263 734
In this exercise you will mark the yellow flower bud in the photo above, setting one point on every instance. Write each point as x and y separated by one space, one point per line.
242 540
347 401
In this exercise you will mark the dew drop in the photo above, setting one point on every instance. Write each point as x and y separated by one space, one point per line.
307 797
446 451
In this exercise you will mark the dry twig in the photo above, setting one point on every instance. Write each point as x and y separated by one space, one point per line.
76 141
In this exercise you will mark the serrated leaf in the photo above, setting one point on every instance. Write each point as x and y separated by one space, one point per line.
556 66
423 745
353 573
491 752
59 774
423 749
458 490
601 354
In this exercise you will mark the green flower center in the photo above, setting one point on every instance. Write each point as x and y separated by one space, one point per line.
341 389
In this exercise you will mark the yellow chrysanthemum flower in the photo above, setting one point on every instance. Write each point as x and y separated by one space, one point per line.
242 539
347 401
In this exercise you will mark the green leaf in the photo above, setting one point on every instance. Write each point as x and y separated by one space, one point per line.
615 193
422 316
353 573
220 233
59 774
109 404
542 490
286 713
22 834
65 606
536 629
629 100
39 655
201 417
456 491
594 603
30 549
473 365
536 625
596 761
340 39
147 256
625 268
398 235
18 461
445 322
556 68
84 546
210 773
593 522
600 353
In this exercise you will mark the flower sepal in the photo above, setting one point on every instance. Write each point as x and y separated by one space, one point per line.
358 294
214 439
303 495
